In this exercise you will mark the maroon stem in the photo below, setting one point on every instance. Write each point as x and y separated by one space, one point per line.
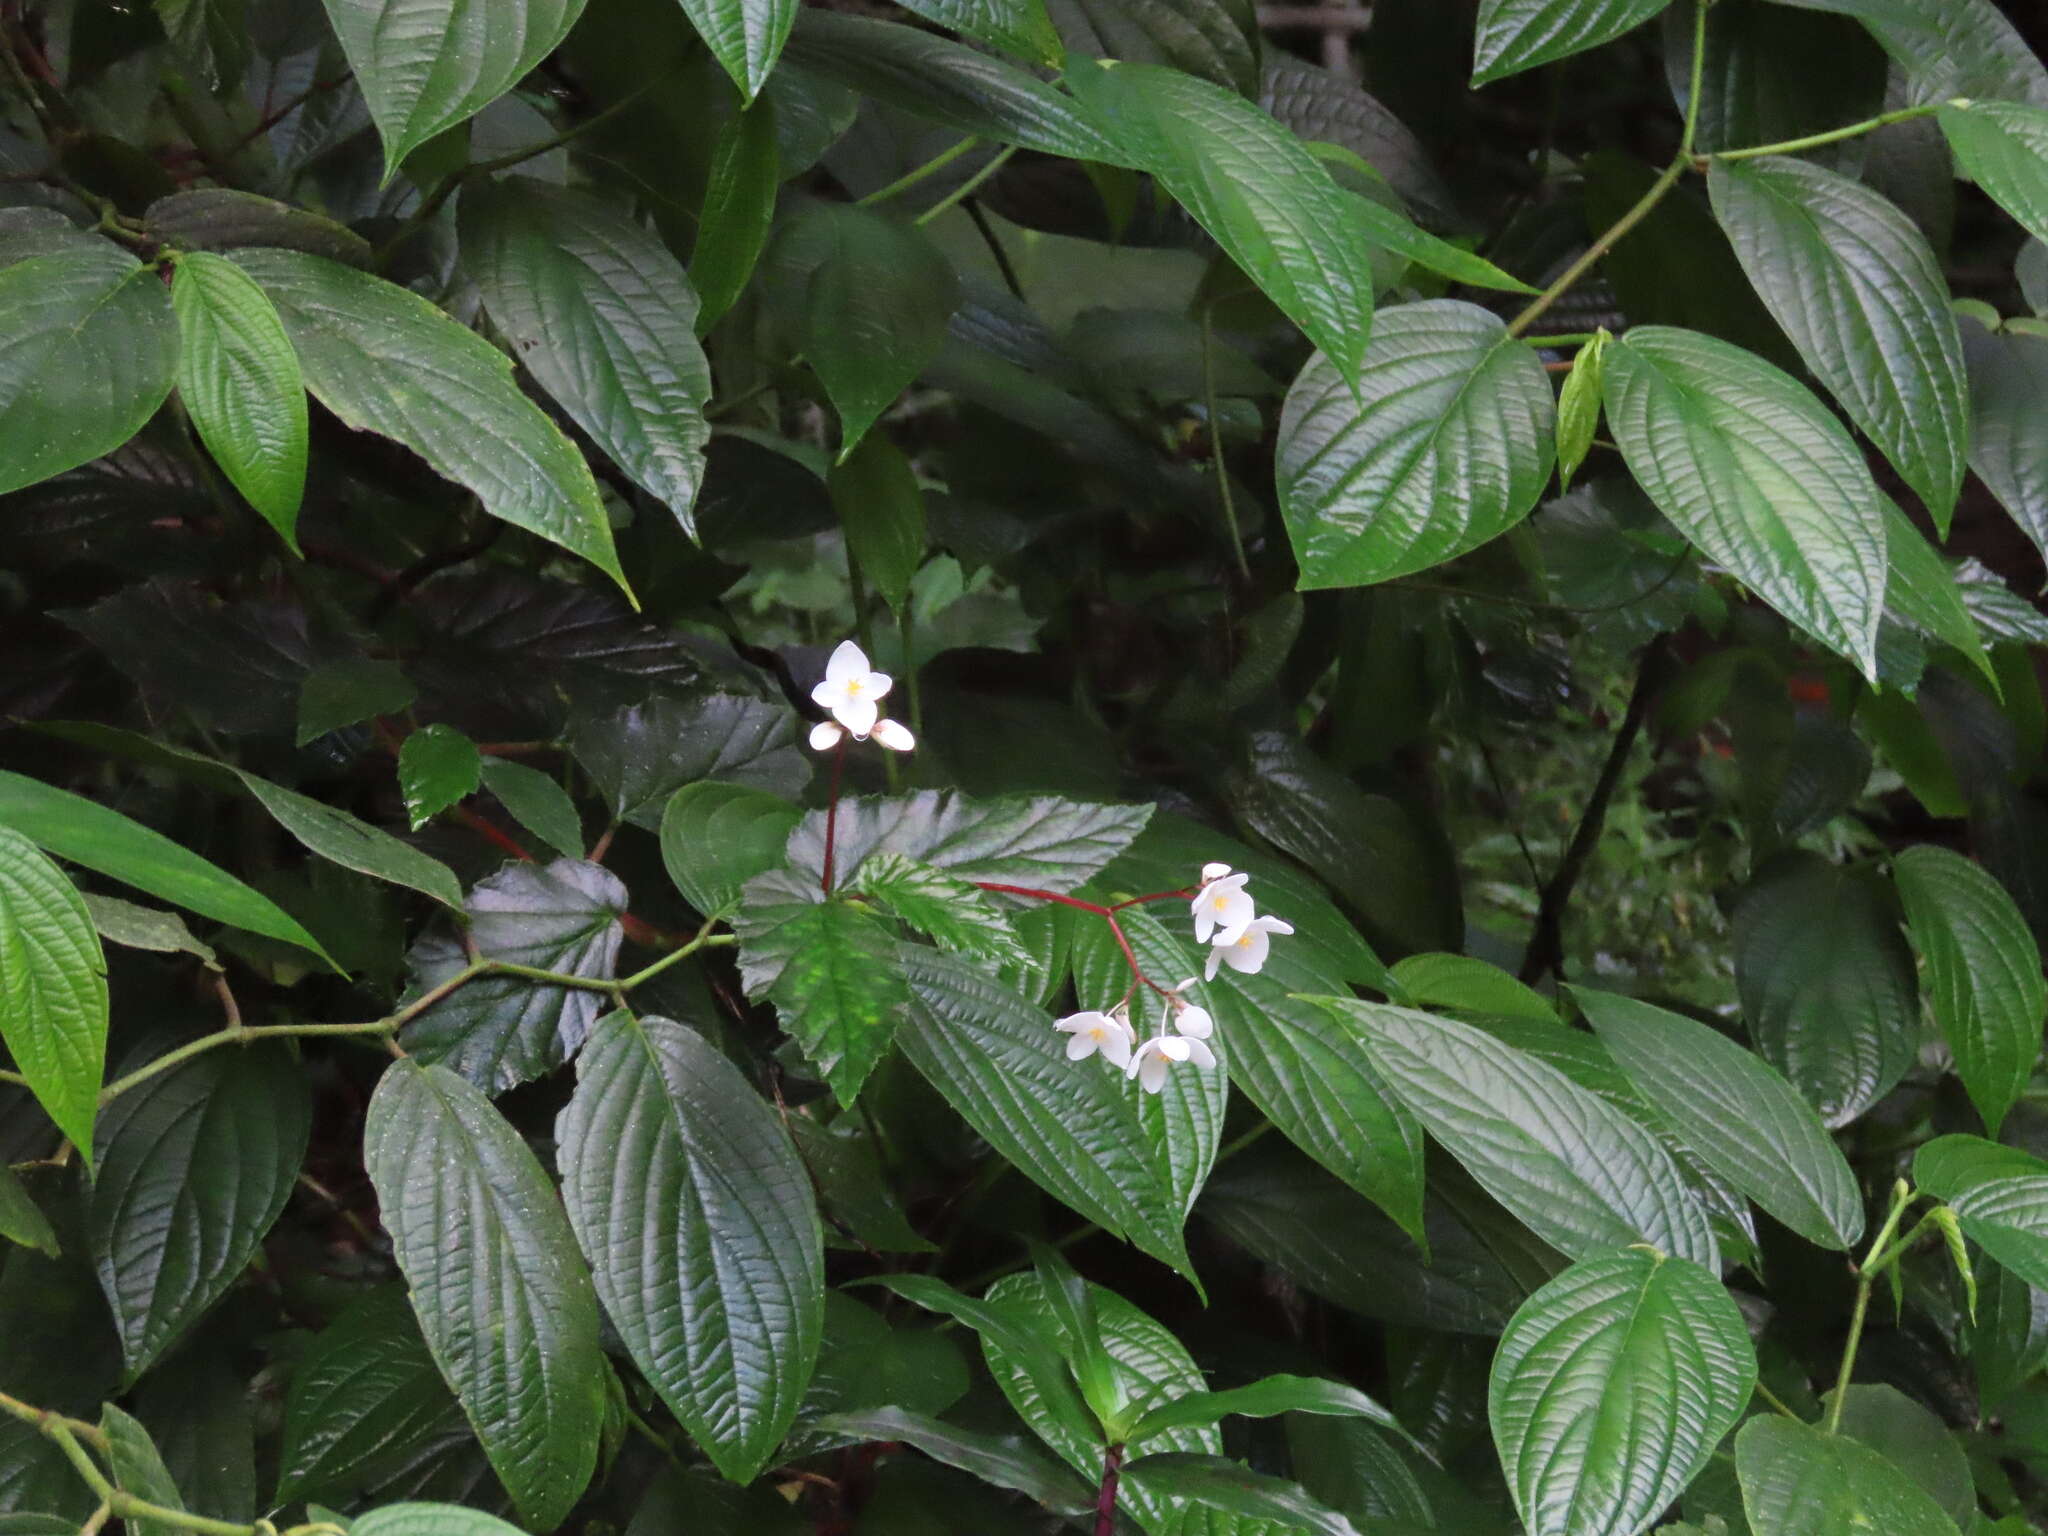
1105 1497
832 810
1107 914
1186 895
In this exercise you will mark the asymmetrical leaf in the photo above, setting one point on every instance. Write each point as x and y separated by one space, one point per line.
1445 442
603 316
88 351
1798 1481
702 1230
386 361
1612 1386
499 1288
240 381
1515 35
1862 295
1756 472
53 989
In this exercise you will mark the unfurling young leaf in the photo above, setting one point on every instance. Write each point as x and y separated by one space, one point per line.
1578 409
437 766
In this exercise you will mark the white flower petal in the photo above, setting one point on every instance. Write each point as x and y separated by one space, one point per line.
848 661
857 715
1200 1054
1195 1023
1214 872
895 737
1209 966
1152 1073
829 695
1116 1048
1173 1047
1080 1047
825 736
876 685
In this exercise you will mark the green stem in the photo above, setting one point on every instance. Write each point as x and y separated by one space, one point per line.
60 1432
13 1077
1599 248
1775 1401
1880 1254
1221 469
1699 64
705 939
1833 135
1571 339
911 178
235 1034
904 623
967 187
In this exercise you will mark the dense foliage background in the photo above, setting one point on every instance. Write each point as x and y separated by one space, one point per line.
1560 511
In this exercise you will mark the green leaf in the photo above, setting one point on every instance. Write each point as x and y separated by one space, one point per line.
1577 1171
947 83
1393 231
1949 48
53 989
1913 1440
1758 474
1612 1386
227 219
716 837
203 1418
1067 1298
1254 188
1184 1481
1862 295
640 756
738 212
85 832
2003 147
1464 984
426 65
139 1470
365 1399
1006 1461
1826 982
1983 973
334 834
138 927
1072 1128
2009 1339
384 360
1798 1481
537 803
1436 440
1515 35
21 1219
955 914
2000 1194
604 317
881 509
1743 1118
1264 1399
745 36
348 692
240 382
827 965
1019 27
500 1031
194 1166
500 1290
1578 408
429 1520
88 351
1215 40
854 1188
1921 592
703 1232
1035 840
876 303
2008 379
438 766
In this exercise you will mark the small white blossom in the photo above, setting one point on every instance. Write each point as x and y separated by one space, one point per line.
1187 1018
896 738
1221 907
852 691
1092 1030
825 735
1214 872
1247 951
1149 1062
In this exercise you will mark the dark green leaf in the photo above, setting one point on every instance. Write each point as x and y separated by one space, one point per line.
1577 1171
226 219
1913 1440
349 692
501 1293
639 757
1798 1481
1437 440
240 382
1758 474
1263 1399
437 767
2008 378
1515 35
1019 27
1862 296
1983 973
881 509
745 36
139 1470
954 913
854 1187
53 1005
1036 840
1743 1118
499 1031
704 1231
1921 591
1215 40
426 65
385 360
1611 1388
739 210
1464 984
1007 1461
1181 1480
21 1219
2000 1194
1324 106
202 1415
1774 73
194 1166
1949 48
604 317
84 832
2009 1339
88 351
1392 231
716 837
1254 188
537 803
1827 982
429 1520
1067 1299
138 927
1578 408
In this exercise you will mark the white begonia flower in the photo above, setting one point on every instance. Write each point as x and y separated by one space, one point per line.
1149 1062
895 737
825 735
1189 1019
1248 950
1214 872
1221 907
1092 1030
852 690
